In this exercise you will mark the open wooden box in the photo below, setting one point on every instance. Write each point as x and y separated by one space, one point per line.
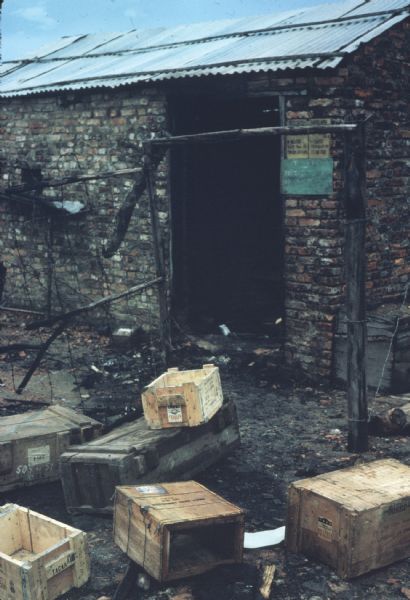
176 530
40 558
183 398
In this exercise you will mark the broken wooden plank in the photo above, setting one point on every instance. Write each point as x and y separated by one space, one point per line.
268 575
134 453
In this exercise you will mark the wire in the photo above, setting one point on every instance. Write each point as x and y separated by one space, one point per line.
393 337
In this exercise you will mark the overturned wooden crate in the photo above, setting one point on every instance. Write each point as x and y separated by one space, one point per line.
183 398
31 444
355 520
134 453
40 558
176 530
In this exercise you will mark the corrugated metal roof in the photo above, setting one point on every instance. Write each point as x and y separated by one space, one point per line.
318 37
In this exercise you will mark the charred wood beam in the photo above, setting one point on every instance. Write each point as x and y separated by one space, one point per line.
355 258
28 200
19 347
20 310
165 335
125 212
43 349
45 183
238 134
77 311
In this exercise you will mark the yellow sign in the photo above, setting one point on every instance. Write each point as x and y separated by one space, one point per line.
316 145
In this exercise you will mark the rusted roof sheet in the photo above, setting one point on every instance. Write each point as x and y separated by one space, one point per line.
318 37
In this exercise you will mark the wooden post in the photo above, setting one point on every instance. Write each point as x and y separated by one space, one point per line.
355 255
164 329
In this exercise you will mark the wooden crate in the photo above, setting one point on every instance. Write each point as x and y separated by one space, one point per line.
40 558
183 398
355 520
31 444
134 453
176 530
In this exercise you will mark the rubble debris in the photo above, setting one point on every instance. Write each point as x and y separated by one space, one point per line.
133 452
41 558
176 530
31 444
183 398
225 329
355 519
395 421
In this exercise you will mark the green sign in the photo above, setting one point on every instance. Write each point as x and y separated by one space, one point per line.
307 176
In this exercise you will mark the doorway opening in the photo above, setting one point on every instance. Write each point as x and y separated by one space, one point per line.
227 239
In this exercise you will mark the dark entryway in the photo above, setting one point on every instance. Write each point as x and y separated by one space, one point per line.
227 217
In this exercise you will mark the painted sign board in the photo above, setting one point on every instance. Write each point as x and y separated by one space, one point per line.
307 176
315 145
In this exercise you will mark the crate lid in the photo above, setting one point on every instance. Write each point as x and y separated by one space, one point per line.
180 502
363 486
42 422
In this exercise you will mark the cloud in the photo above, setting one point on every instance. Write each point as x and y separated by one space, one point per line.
37 14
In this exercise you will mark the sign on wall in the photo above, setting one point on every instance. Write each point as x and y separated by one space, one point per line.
307 168
307 176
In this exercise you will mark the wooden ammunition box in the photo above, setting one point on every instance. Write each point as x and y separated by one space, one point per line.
134 453
354 520
31 444
40 558
176 530
183 398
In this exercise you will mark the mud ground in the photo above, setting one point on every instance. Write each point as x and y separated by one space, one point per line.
289 430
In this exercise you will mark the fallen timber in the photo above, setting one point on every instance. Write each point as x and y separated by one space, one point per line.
65 319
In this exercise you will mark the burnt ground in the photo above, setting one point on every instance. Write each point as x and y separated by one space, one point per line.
289 430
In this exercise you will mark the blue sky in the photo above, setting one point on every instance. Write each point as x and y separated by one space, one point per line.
28 24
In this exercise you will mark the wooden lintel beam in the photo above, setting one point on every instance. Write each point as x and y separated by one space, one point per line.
237 134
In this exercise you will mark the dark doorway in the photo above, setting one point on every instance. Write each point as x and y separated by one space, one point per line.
227 217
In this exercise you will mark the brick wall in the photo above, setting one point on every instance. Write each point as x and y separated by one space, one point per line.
372 82
55 133
86 133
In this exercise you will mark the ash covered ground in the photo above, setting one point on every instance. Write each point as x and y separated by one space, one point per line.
289 431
